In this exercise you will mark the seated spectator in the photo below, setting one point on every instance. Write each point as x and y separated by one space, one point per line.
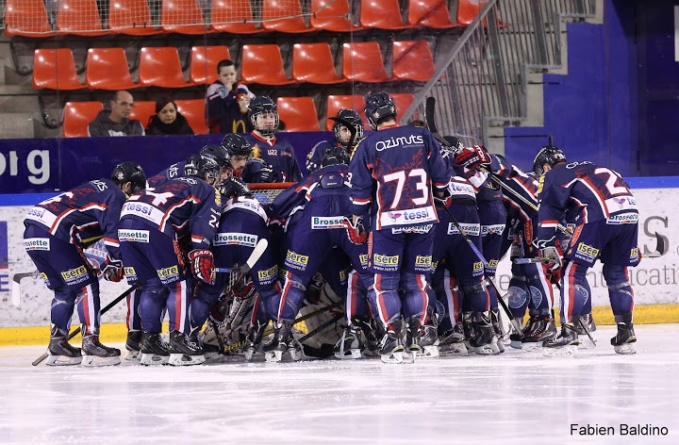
227 102
116 121
167 119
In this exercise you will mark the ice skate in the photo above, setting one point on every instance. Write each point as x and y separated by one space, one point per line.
497 327
184 352
485 340
254 339
588 322
349 345
541 329
516 338
452 342
60 352
391 350
283 343
210 351
372 338
429 342
566 344
95 354
623 342
412 347
132 344
153 350
468 329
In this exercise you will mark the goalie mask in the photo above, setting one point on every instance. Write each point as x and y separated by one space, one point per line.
263 115
549 155
132 172
347 117
377 107
202 167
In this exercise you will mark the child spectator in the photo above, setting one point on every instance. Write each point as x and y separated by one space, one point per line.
227 102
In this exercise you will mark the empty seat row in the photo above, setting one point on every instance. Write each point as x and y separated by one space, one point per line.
298 113
133 17
107 68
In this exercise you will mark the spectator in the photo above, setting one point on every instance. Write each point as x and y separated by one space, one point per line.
227 102
167 119
116 121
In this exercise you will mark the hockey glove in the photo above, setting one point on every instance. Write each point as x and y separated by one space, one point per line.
202 265
113 270
473 157
266 174
356 232
553 255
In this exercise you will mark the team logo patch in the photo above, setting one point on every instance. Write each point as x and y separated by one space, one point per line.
235 238
133 236
517 296
130 272
467 229
37 244
423 260
268 274
477 266
492 229
412 229
492 264
327 222
624 218
363 258
634 255
75 276
586 252
296 261
385 260
409 217
167 274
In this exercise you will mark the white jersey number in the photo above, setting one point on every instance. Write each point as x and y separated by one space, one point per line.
400 178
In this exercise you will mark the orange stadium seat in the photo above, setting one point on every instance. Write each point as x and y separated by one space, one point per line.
107 69
142 111
402 102
283 16
233 16
381 14
27 18
298 113
263 64
161 67
429 14
467 10
412 61
331 15
55 69
204 61
182 17
313 63
336 103
362 62
77 116
194 112
80 17
131 17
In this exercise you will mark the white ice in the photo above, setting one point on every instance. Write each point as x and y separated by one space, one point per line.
515 398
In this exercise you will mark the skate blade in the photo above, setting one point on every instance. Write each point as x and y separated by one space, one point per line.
431 351
62 360
295 354
273 356
489 349
93 361
626 349
132 355
394 358
351 354
454 349
153 359
516 344
186 360
249 353
564 351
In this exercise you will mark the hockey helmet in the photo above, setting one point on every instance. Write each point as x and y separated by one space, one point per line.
202 167
236 144
132 172
344 118
453 144
377 107
263 105
335 155
550 155
217 152
233 188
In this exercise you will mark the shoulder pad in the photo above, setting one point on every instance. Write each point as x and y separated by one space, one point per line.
332 180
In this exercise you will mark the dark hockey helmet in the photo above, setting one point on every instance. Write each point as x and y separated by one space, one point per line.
344 117
550 155
236 144
202 167
377 107
263 105
129 171
233 188
335 155
219 154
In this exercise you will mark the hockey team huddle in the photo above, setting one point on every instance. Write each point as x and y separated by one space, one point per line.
405 226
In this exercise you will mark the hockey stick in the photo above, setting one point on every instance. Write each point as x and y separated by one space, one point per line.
103 311
16 285
320 328
580 322
256 254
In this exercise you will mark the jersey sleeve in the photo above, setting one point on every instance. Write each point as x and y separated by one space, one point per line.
361 182
553 200
205 217
440 170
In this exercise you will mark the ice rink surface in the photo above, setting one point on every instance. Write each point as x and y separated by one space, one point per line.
515 398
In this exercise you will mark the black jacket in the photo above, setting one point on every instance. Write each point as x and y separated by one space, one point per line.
179 126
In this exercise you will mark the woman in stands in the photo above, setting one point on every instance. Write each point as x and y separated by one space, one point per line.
167 119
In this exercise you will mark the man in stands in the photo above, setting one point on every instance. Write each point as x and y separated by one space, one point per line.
116 121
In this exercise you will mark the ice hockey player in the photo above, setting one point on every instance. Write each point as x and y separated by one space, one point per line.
395 174
57 231
273 158
607 231
151 223
348 132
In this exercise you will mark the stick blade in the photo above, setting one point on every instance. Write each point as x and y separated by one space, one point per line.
257 253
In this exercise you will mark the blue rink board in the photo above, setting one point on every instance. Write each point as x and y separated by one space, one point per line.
24 199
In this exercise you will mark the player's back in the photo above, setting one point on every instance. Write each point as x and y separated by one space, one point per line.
174 171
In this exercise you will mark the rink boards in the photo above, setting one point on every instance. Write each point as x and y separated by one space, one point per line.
654 280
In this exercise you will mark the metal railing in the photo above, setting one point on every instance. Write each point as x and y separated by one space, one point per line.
481 80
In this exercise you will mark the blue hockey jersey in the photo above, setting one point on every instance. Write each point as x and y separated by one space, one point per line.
83 215
175 170
277 153
393 171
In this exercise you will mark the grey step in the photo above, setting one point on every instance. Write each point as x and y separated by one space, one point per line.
16 125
